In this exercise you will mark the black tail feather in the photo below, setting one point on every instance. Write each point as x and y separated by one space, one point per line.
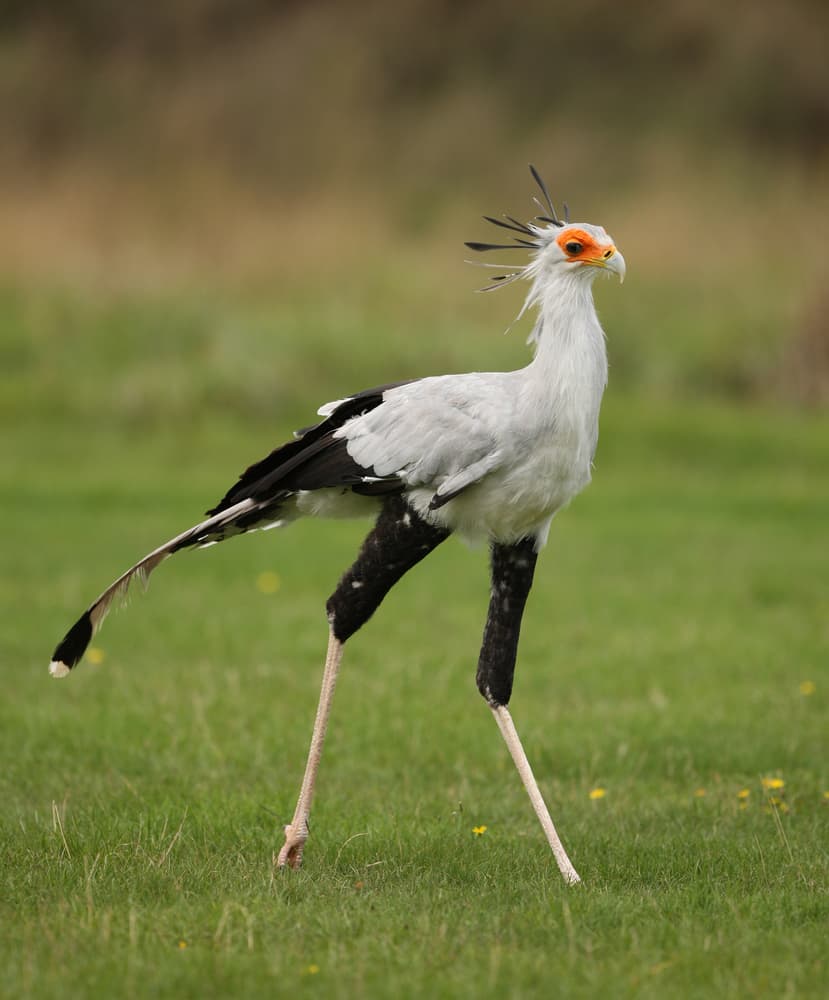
73 645
316 460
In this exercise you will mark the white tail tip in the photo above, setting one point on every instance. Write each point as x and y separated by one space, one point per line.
58 669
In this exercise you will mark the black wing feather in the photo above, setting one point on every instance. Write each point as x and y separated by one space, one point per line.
315 460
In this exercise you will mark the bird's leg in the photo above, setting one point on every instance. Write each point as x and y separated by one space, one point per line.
296 833
511 738
512 575
398 541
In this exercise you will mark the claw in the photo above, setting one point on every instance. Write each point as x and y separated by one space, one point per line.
291 853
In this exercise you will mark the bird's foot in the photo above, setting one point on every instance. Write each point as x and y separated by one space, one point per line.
291 853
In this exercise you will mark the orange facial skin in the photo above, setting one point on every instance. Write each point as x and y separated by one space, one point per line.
591 252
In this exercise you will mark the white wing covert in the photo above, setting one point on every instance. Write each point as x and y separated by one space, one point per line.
441 433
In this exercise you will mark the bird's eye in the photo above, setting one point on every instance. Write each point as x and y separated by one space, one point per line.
573 247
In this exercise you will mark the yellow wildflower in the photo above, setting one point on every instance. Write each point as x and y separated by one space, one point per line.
773 783
699 793
743 793
95 655
312 970
268 582
479 831
182 945
808 687
597 793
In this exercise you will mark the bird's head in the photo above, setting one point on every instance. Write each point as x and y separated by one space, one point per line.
558 247
580 248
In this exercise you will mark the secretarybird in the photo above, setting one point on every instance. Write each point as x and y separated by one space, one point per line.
487 455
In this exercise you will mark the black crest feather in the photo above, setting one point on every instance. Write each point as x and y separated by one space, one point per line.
527 238
554 218
528 234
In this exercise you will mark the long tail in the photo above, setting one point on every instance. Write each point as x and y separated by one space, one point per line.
233 520
315 460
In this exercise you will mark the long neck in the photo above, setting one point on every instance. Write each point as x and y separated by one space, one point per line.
570 356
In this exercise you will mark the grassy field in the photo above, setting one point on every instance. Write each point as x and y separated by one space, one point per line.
674 655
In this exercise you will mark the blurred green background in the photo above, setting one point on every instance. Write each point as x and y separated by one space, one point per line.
334 157
216 215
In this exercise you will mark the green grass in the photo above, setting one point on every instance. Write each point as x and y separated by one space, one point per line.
678 608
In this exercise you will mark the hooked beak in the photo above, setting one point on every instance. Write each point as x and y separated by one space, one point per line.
616 263
610 260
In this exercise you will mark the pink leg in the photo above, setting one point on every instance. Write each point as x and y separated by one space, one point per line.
510 734
296 833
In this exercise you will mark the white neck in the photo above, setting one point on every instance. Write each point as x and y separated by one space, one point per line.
570 356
